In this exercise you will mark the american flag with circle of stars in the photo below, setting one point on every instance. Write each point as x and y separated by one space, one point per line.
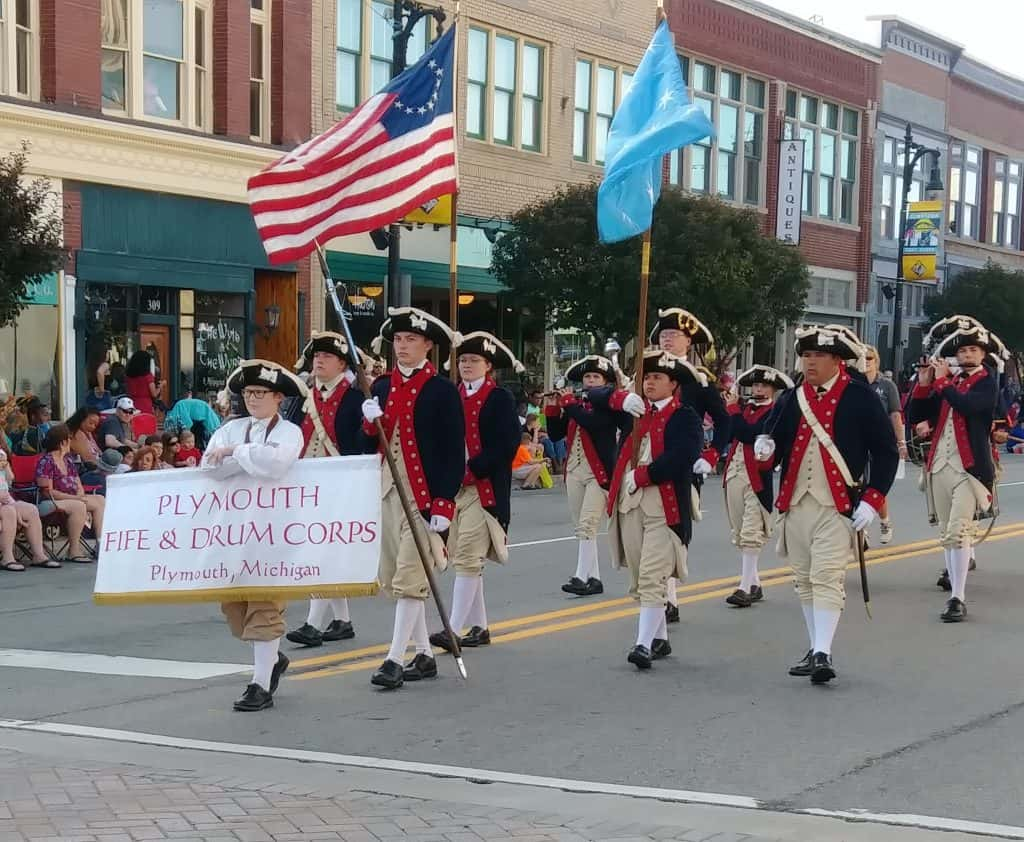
392 154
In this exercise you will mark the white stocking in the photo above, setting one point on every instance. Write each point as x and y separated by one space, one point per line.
420 637
583 558
946 552
340 608
264 655
649 622
317 617
826 621
406 614
463 596
662 632
748 575
670 589
959 562
478 613
808 609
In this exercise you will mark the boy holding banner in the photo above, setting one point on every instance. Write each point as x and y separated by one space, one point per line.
263 445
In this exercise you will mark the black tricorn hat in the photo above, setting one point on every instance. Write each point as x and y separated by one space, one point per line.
944 327
267 375
326 341
828 340
676 318
962 338
764 374
595 364
414 320
492 349
680 370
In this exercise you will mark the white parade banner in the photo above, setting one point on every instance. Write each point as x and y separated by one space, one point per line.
182 536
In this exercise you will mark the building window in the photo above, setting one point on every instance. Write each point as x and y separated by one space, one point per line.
19 50
730 165
892 186
830 133
505 89
365 47
831 293
1006 195
155 61
964 190
259 63
599 91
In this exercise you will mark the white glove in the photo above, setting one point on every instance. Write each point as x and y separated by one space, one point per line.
863 516
439 523
372 410
634 405
702 467
764 447
629 482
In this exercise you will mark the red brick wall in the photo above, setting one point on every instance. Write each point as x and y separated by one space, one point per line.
231 68
69 53
995 118
72 223
909 72
291 70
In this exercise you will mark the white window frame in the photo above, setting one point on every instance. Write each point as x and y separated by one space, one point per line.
372 12
681 162
519 98
1005 228
813 131
9 49
892 186
964 159
592 118
260 17
189 81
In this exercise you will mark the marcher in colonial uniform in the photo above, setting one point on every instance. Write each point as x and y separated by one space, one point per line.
748 483
483 505
649 504
266 446
957 412
422 416
592 438
330 419
678 331
823 432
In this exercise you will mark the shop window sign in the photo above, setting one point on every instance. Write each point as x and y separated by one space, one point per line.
42 291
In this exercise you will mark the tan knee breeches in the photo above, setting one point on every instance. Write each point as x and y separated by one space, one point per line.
817 542
254 620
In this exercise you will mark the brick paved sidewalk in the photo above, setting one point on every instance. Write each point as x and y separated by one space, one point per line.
92 802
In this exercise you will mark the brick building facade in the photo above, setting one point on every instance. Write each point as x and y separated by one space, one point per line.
147 118
974 116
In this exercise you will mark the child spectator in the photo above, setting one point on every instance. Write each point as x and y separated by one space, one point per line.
145 460
188 455
526 465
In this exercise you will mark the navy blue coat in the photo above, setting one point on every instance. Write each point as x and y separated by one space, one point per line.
440 434
708 400
348 421
745 433
863 429
499 440
600 424
978 407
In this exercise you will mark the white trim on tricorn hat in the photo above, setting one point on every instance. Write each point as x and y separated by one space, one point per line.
764 374
861 363
488 346
828 340
676 318
414 320
594 363
944 327
961 338
266 374
680 370
322 340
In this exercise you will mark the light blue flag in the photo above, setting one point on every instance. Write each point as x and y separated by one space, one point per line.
656 117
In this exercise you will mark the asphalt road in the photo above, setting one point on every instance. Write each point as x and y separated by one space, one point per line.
924 718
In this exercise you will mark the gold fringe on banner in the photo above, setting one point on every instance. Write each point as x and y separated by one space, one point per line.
281 594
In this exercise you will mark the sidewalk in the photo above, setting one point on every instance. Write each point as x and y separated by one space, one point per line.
80 790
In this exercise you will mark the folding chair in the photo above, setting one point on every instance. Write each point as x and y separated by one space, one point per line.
55 539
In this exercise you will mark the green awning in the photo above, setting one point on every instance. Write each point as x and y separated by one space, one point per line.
360 268
109 268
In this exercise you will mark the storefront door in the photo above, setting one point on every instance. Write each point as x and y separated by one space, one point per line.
156 339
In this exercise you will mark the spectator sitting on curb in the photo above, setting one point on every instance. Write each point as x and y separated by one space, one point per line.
527 464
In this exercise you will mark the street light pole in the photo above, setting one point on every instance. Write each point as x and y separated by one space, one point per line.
934 185
405 15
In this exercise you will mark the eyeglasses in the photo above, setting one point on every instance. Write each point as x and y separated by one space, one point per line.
255 394
172 442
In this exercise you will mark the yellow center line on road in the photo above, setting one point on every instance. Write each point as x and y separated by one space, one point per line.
599 613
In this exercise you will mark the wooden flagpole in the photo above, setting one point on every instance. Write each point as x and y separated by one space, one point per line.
453 253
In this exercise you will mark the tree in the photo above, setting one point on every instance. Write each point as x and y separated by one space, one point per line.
994 295
30 234
706 256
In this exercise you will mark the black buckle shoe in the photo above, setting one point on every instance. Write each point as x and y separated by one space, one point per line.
740 598
956 611
803 667
575 586
944 582
307 635
389 676
477 637
660 649
640 656
756 593
671 613
822 671
338 630
441 640
254 698
593 587
278 671
420 667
